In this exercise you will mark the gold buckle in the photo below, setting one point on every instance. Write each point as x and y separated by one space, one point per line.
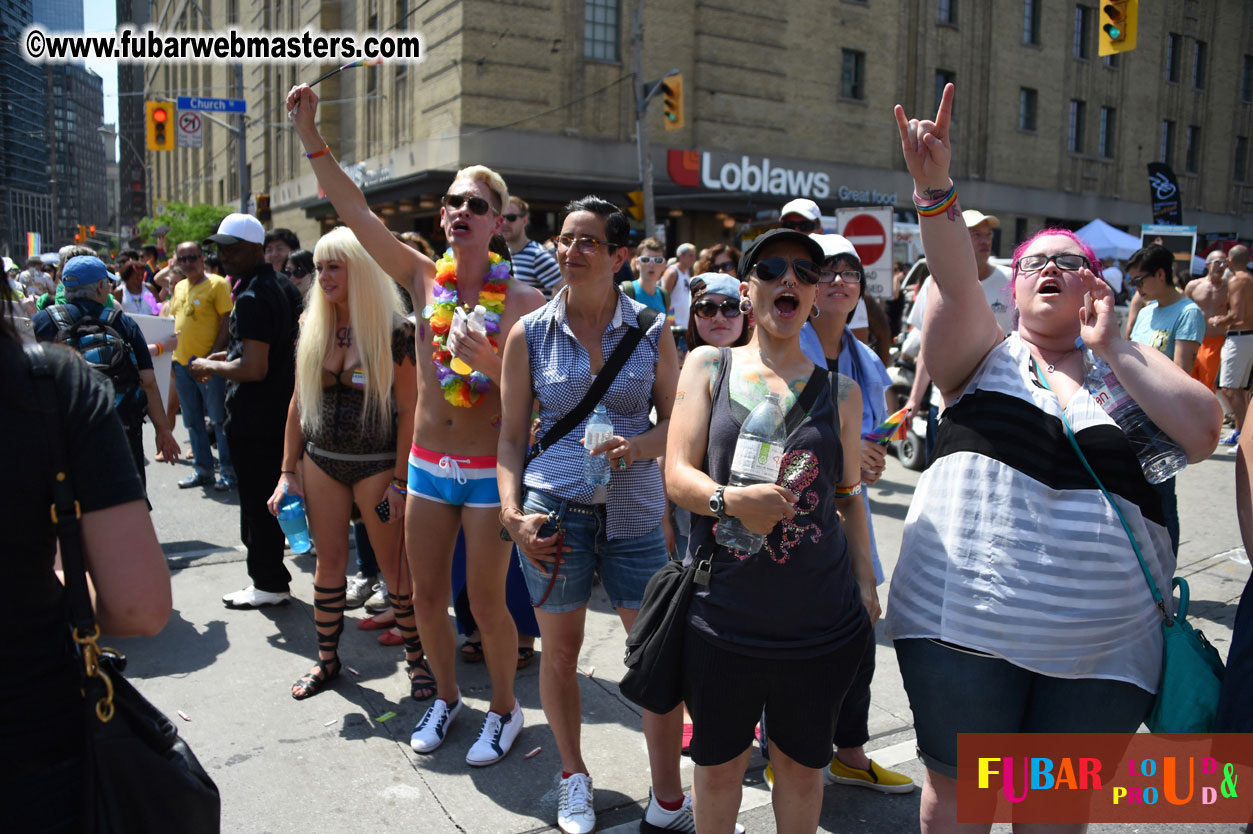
78 512
91 665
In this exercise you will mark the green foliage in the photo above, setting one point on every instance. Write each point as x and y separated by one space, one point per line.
185 222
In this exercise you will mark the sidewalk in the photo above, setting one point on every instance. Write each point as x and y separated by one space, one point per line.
329 764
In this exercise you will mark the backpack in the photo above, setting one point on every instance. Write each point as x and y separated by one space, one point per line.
101 343
628 287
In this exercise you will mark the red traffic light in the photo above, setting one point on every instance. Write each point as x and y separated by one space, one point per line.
159 115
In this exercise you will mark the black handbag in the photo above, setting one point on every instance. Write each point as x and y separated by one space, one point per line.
138 775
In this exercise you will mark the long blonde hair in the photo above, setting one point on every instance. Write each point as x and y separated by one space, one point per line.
373 305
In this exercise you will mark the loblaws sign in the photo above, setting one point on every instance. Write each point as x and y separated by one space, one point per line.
695 169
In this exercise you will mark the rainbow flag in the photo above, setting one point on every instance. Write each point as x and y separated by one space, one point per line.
33 244
893 428
362 62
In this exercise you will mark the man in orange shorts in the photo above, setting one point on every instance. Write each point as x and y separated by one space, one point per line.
1209 292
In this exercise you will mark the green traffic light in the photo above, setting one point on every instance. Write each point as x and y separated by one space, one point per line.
1115 34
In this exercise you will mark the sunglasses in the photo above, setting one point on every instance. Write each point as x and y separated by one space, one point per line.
1067 262
477 204
652 259
799 225
509 215
188 259
1137 281
725 266
584 243
708 308
772 269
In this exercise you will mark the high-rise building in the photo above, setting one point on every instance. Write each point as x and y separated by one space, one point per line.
59 15
76 114
132 160
25 200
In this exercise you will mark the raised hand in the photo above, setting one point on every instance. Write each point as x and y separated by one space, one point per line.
1098 321
302 107
925 145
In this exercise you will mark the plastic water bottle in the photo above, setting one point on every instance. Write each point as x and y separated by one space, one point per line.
758 457
1160 457
291 517
599 429
476 322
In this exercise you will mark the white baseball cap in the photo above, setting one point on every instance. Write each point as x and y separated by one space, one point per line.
805 208
973 218
833 245
237 228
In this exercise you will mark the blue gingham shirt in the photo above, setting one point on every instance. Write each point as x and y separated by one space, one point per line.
560 375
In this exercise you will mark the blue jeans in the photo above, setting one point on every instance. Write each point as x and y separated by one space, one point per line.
195 399
1170 509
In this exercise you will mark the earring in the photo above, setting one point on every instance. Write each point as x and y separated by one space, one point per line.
815 312
746 306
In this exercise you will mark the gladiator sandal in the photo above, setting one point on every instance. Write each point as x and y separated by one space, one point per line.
328 615
421 681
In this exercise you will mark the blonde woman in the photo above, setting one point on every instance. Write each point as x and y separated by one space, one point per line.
351 416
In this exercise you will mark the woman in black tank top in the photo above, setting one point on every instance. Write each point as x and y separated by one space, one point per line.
789 622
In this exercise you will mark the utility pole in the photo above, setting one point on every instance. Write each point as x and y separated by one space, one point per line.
641 121
243 156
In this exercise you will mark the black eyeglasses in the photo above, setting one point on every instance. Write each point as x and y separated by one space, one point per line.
707 308
188 259
805 226
827 275
477 204
725 266
652 259
1067 262
509 215
584 243
772 269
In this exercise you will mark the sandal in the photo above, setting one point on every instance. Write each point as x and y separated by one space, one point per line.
311 684
421 681
525 655
472 651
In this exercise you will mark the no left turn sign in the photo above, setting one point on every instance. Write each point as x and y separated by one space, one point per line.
190 130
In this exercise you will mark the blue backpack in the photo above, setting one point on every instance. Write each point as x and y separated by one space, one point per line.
101 343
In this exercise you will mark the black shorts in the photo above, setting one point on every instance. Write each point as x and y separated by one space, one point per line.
726 691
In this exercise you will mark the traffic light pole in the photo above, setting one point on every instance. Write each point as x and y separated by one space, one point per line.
239 136
641 123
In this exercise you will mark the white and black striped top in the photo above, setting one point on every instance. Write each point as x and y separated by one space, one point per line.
536 266
1010 549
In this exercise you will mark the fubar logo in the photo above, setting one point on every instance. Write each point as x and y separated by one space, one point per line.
696 168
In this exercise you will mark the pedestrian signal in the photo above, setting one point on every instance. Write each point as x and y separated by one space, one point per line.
672 97
160 124
1118 26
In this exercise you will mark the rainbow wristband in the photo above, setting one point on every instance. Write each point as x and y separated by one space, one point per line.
325 150
937 208
848 492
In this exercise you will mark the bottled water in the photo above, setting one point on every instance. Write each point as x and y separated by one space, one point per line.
476 322
757 459
1160 457
291 517
599 429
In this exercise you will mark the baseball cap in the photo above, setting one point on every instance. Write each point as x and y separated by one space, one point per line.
753 253
719 283
974 217
833 245
238 228
805 208
83 270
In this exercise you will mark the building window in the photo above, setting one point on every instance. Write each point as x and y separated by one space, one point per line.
853 75
1031 21
943 77
1111 61
1168 142
1246 79
600 30
1173 45
1242 155
1083 25
402 25
1198 66
1027 98
1075 137
947 11
1107 133
1193 151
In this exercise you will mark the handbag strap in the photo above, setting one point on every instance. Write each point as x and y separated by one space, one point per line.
604 378
1135 546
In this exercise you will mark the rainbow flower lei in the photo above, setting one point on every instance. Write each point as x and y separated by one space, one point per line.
464 391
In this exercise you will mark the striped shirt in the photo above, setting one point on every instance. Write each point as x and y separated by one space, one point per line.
560 376
537 267
1010 549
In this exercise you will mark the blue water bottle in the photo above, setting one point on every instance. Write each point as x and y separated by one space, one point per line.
291 517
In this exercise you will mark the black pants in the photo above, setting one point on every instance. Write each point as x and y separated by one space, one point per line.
852 722
135 437
257 465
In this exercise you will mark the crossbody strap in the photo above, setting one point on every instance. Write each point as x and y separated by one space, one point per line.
1074 444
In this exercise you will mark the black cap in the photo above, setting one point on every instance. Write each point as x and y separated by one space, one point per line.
751 254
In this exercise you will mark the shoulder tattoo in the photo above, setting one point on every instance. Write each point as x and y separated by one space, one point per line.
844 385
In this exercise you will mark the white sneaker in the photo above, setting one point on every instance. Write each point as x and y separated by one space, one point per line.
430 732
378 601
574 805
359 590
658 819
250 597
496 738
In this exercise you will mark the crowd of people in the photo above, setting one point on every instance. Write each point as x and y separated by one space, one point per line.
425 400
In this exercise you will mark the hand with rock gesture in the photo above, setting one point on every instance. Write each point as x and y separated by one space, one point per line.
925 145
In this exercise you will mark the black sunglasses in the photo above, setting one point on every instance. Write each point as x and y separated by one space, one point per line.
510 216
772 269
806 226
708 308
477 204
187 259
725 266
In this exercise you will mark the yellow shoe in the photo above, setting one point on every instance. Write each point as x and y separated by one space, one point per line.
876 778
769 776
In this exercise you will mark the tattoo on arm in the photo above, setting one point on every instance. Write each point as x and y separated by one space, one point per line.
934 193
680 397
845 384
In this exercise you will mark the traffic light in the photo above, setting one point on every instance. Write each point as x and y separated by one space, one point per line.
636 209
81 235
160 125
1118 26
91 232
263 208
672 97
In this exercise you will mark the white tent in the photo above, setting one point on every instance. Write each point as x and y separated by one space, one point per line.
1108 242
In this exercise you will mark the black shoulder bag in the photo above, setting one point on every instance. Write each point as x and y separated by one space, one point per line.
140 777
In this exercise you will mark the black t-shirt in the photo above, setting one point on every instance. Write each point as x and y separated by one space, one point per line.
40 701
267 309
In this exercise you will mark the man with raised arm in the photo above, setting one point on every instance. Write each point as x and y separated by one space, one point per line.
1236 368
452 465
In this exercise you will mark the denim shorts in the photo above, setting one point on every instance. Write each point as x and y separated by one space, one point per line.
625 565
953 691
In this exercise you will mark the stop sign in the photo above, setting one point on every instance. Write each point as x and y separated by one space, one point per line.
868 237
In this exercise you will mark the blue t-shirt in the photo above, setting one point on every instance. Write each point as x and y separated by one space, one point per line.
1160 327
653 300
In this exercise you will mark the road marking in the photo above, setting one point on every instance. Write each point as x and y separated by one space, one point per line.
1236 554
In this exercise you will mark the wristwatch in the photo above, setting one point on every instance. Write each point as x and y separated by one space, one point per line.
716 503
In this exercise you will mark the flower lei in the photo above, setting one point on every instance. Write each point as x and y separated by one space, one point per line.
467 390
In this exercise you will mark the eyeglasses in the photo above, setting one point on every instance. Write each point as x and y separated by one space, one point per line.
652 259
805 226
477 204
1067 262
188 259
725 266
298 273
586 244
708 308
772 269
509 215
828 275
1217 262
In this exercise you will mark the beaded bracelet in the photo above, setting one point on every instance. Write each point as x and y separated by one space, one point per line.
935 209
322 152
848 492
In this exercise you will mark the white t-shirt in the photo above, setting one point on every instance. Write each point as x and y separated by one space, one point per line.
860 319
681 297
1113 276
